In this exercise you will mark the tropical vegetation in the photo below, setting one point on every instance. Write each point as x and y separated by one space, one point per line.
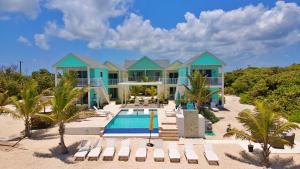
263 126
29 105
279 86
64 108
199 93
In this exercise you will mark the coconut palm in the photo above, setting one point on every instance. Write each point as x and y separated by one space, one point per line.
263 126
4 100
135 90
199 93
64 107
29 106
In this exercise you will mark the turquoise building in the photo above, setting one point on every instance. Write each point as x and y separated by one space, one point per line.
110 81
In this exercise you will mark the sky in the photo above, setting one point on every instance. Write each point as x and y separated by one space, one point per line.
240 32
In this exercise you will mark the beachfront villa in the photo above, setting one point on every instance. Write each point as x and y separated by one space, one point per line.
108 81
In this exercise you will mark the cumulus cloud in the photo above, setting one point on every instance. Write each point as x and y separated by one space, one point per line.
41 41
29 8
245 31
24 40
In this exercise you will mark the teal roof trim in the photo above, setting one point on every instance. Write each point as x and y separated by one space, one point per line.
145 63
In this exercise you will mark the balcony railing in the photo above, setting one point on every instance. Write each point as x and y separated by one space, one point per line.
82 82
148 78
113 81
171 80
212 81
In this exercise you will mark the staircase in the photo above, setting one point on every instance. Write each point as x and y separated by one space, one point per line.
102 91
169 131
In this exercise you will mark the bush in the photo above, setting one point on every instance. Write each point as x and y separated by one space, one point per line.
39 123
210 116
294 117
245 98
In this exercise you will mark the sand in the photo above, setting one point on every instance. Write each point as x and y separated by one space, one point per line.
41 152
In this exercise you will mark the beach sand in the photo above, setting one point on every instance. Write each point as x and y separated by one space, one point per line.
41 151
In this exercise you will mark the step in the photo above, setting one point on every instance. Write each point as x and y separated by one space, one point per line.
170 138
168 123
168 132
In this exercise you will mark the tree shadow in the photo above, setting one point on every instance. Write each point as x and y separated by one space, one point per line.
55 153
255 159
43 135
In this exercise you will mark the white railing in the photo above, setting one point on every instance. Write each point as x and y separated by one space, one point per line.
113 81
212 81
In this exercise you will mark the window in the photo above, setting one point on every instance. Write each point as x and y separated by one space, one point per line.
101 74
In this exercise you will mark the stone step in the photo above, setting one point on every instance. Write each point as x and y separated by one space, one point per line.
168 132
168 123
170 138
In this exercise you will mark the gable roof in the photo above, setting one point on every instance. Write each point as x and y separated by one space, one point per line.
87 60
162 63
175 65
191 60
112 67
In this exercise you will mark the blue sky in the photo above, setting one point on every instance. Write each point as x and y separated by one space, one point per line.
241 32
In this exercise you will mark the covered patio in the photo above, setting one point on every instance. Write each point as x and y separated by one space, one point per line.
125 89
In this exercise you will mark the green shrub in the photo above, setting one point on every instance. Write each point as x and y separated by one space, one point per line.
210 116
294 117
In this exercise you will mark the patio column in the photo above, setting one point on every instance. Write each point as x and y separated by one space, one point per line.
157 90
223 97
56 82
88 82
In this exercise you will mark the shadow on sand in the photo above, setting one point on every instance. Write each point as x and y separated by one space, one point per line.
55 153
43 135
255 159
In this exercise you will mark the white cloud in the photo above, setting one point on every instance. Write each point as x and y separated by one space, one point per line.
29 8
24 40
41 41
244 31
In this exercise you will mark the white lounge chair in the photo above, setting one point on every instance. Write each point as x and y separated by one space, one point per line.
159 155
141 152
136 102
124 150
173 152
101 113
84 149
190 154
95 150
146 102
109 151
210 155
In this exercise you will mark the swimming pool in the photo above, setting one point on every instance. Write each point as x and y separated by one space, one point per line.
132 121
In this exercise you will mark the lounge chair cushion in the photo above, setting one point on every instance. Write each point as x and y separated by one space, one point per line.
141 153
211 156
174 154
159 153
109 151
191 155
81 154
124 152
95 152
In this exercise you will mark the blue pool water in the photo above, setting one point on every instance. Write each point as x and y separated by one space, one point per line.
132 121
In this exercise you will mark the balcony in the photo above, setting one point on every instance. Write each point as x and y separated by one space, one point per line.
83 82
171 80
113 81
211 81
141 79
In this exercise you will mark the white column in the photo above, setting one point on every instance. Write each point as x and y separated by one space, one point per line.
157 90
89 93
223 97
56 82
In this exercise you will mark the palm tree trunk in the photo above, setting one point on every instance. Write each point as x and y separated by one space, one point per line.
27 128
64 149
266 153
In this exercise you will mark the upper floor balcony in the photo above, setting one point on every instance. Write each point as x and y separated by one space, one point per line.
83 82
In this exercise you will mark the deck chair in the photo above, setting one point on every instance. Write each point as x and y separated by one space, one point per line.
190 154
109 151
84 149
100 112
136 102
146 102
159 155
95 150
124 150
210 155
141 152
173 152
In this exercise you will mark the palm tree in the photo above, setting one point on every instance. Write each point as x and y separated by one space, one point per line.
135 90
29 106
264 126
4 100
199 92
64 107
151 91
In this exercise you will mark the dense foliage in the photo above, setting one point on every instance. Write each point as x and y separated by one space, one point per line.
278 86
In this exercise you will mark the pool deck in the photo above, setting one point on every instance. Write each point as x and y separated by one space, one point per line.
95 125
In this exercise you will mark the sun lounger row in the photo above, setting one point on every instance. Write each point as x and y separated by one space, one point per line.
92 151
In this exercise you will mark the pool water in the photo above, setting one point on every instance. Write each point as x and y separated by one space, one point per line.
132 121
